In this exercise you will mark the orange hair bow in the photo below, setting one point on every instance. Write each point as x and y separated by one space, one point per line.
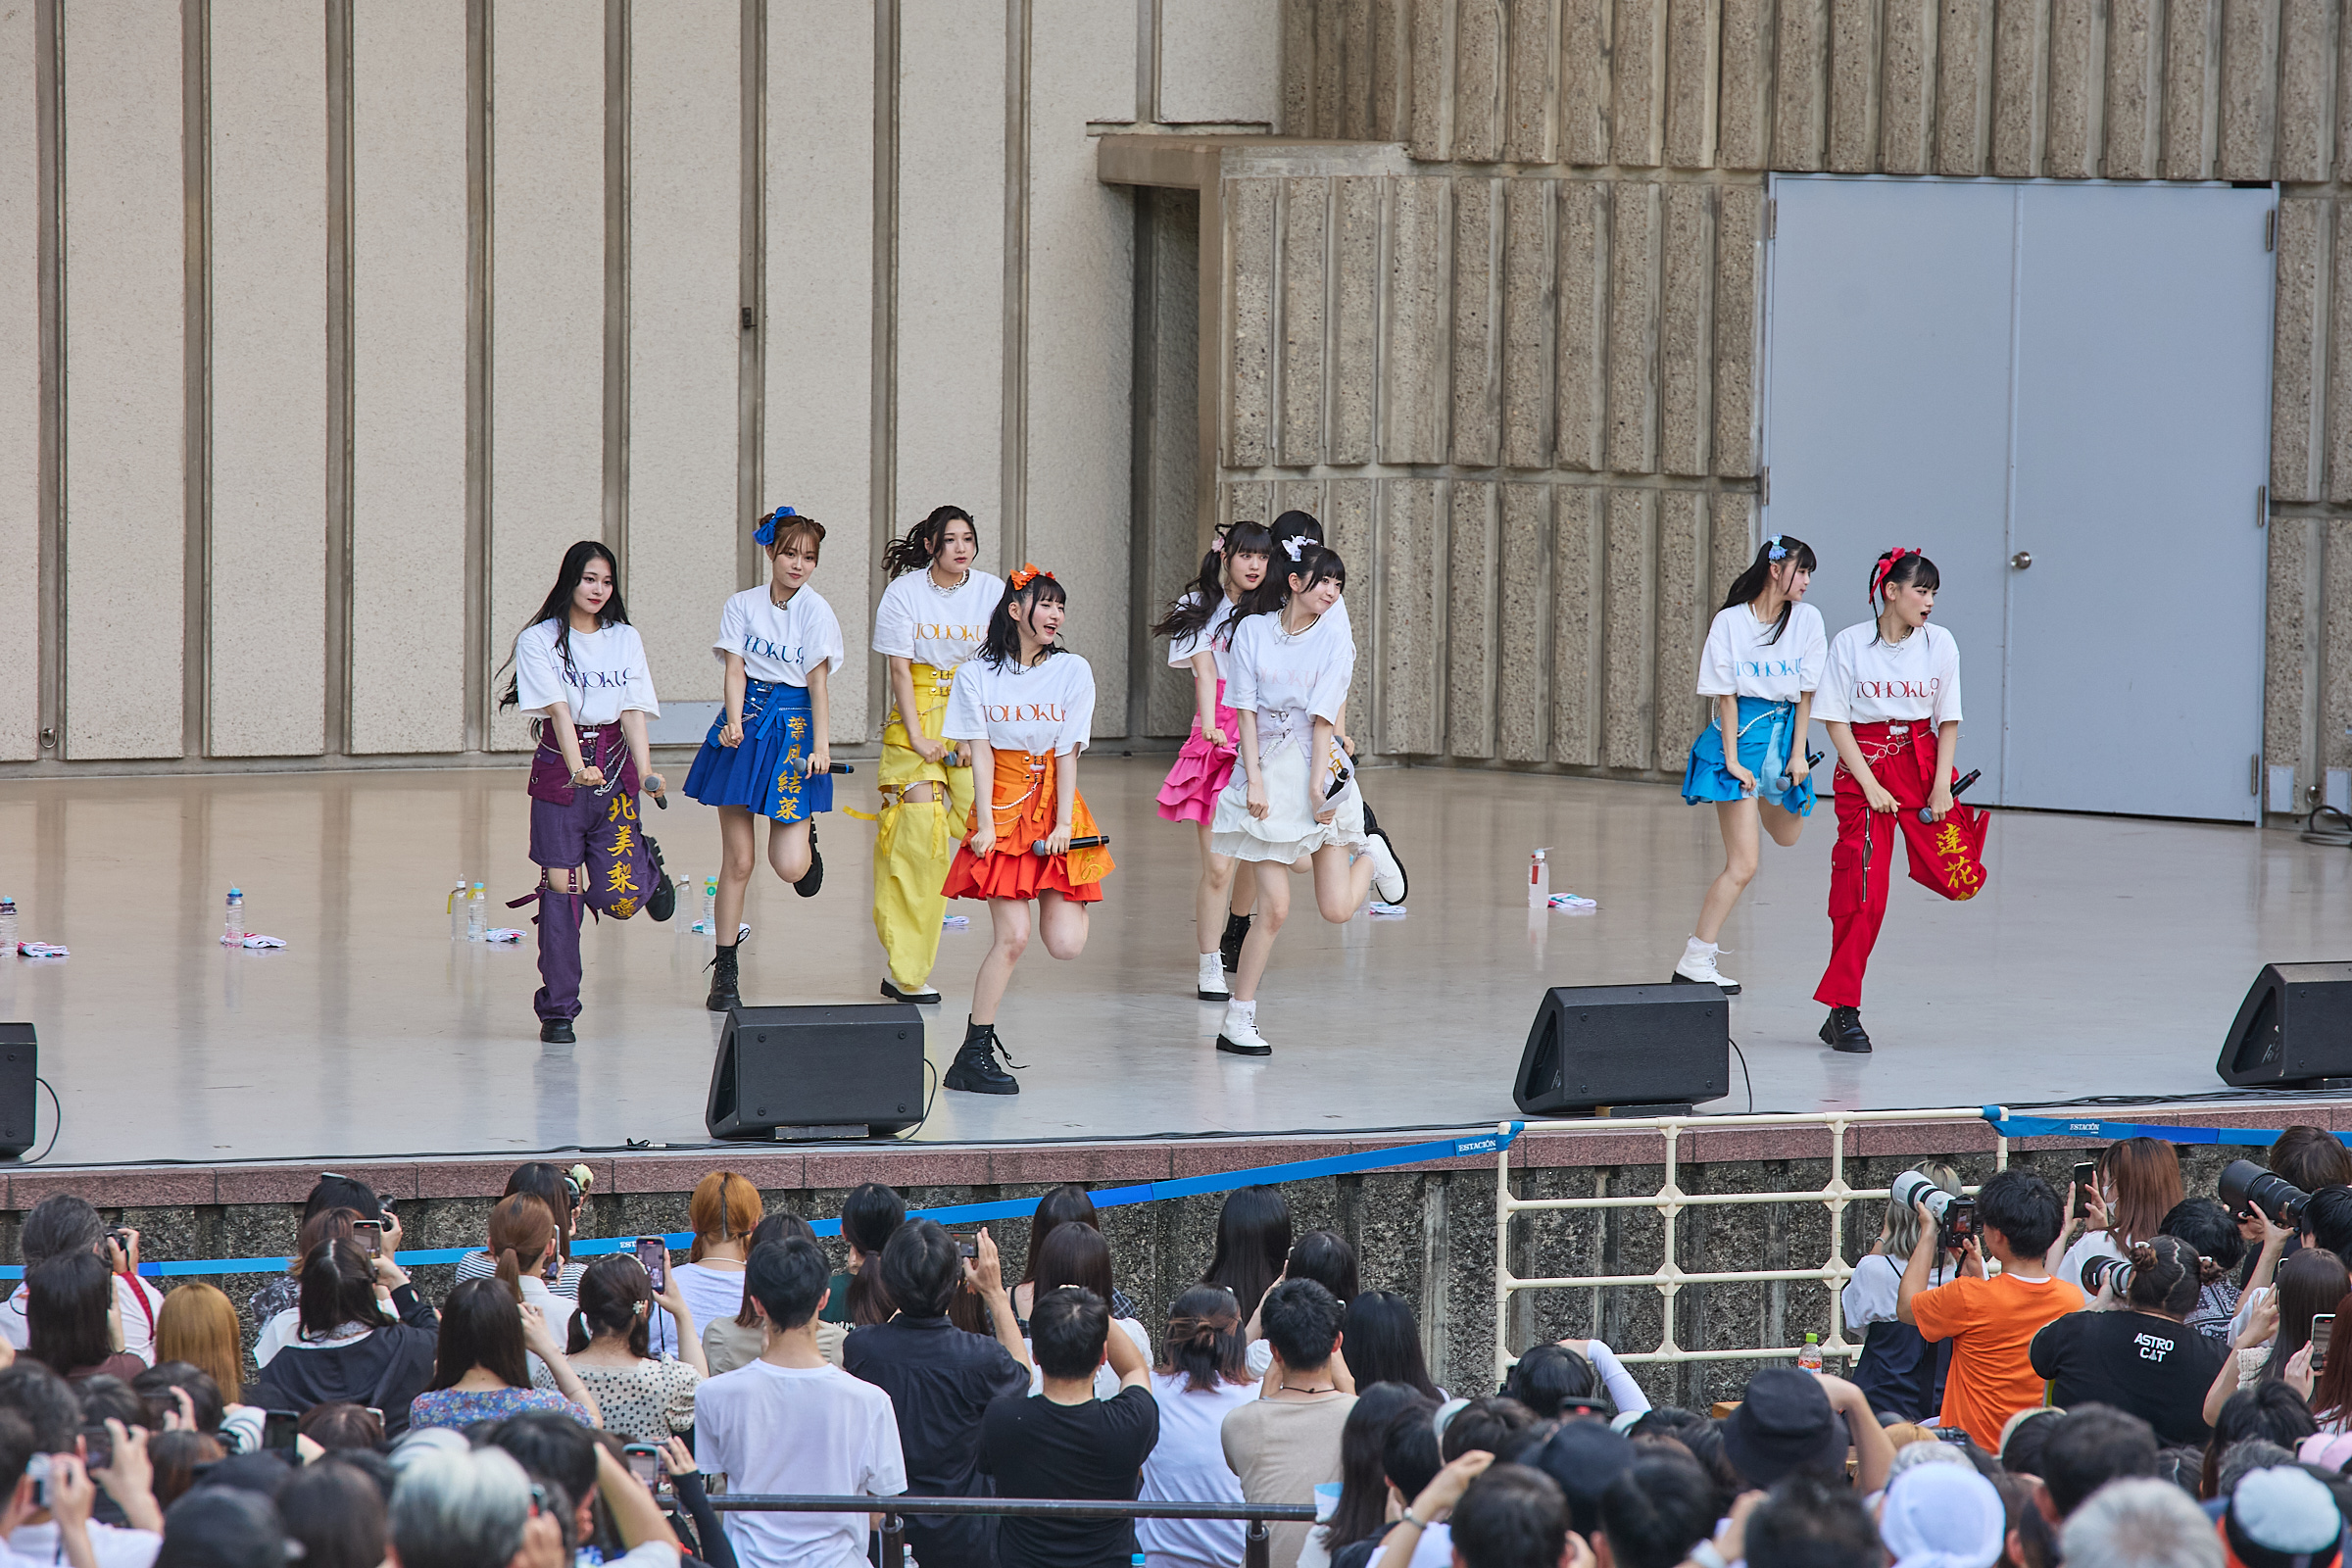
1028 575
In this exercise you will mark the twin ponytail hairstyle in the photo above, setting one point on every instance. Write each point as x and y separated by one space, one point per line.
1749 586
1002 645
924 541
1202 605
2166 1275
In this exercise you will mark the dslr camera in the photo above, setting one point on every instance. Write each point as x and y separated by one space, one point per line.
1955 1217
2246 1185
2098 1271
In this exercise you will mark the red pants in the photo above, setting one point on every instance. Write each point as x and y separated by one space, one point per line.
1904 758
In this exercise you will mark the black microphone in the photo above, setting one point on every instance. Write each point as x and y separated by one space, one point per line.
1970 777
1093 841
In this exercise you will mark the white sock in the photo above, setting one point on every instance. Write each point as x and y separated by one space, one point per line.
1698 947
1241 1012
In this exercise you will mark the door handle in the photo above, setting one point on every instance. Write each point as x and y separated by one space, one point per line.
2021 559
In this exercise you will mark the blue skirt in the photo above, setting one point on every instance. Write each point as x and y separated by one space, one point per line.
758 775
1766 737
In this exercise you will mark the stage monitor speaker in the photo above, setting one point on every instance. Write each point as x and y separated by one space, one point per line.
2295 1028
20 1060
847 1071
1596 1049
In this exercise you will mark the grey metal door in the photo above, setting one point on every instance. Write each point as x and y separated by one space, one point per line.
2061 393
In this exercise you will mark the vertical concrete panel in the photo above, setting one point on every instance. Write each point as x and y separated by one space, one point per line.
1963 85
1168 342
1683 568
1356 70
1355 328
1743 139
2306 77
817 326
1470 629
1304 240
1526 132
2339 375
1692 28
1629 703
2074 89
1351 526
20 388
1682 360
1738 247
409 287
1799 98
1298 495
1298 54
685 337
1584 319
268 411
2249 76
1409 607
1419 322
1478 78
2131 95
1392 70
1249 251
1246 501
2189 46
1329 30
1575 626
1220 60
1854 85
1522 689
2286 642
2295 354
1638 72
2335 648
1528 313
1905 102
1432 79
1081 323
125 329
2017 90
2343 96
1732 514
1634 329
1477 392
1585 109
547 311
949 433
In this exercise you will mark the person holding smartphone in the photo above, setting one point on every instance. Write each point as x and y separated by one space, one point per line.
643 1398
2141 1357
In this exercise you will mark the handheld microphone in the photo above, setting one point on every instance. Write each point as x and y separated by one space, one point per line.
1968 779
1093 841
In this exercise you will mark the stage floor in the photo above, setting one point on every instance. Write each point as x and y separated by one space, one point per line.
2106 956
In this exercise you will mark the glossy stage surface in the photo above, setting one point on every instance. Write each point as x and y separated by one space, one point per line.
2107 956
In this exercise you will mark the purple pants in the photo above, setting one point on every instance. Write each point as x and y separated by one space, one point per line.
600 832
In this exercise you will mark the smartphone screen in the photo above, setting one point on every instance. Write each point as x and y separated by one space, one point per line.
369 1233
654 1252
277 1429
2323 1329
966 1248
552 1269
645 1463
2086 1176
97 1447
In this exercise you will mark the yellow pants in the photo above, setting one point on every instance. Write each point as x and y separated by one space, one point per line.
916 840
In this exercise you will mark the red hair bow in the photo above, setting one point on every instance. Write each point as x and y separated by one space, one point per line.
1885 567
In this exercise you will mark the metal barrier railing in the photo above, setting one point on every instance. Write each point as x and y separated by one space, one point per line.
1669 1202
1256 1549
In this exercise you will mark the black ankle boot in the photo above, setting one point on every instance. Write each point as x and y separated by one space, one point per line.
723 994
555 1032
1229 947
1842 1030
975 1071
814 877
664 902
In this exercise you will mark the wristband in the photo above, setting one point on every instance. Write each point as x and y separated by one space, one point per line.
1706 1556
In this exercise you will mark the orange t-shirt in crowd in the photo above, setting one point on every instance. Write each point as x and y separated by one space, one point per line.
1991 1324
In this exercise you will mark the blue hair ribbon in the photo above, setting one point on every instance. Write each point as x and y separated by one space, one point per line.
1774 548
765 533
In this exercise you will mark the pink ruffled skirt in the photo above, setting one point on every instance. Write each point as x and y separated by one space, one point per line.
1190 792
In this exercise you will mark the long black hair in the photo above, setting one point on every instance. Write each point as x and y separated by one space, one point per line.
1316 564
1202 602
1899 567
557 606
1749 586
869 1216
924 541
1253 1241
1002 645
1384 1342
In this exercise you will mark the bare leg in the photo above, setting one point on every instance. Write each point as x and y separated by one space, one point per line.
1341 885
1782 823
1273 908
1062 922
1009 919
1209 898
788 849
738 846
1739 851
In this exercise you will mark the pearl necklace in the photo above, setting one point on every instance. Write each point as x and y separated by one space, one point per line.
948 593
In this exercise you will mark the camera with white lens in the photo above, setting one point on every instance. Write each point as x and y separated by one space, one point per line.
1955 1217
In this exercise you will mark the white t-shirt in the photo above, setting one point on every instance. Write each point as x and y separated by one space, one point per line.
111 1544
817 1430
1189 1466
1871 682
138 1325
1869 1296
711 1294
1024 708
1304 678
608 677
1740 659
1215 638
916 620
779 645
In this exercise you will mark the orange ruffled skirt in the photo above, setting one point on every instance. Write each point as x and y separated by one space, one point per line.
1023 800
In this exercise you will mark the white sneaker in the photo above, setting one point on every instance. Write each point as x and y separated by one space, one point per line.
1388 876
1699 966
1239 1033
1212 979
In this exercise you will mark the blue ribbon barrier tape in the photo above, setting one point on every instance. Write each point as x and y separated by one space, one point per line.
2010 1125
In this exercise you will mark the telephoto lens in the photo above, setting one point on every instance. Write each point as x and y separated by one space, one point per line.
2247 1185
1911 1190
2101 1270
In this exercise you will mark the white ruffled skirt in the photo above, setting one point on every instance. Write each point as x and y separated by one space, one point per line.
1288 828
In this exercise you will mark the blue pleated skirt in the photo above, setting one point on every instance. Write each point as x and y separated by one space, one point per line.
1767 736
779 730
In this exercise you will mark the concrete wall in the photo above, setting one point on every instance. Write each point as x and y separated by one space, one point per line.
331 327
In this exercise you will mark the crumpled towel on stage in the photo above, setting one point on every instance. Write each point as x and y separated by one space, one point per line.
42 950
251 939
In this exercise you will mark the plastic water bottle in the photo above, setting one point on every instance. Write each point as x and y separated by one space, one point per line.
711 904
8 925
1808 1359
233 928
1539 880
456 911
478 910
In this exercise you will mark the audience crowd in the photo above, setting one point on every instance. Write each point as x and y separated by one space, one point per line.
2115 1376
